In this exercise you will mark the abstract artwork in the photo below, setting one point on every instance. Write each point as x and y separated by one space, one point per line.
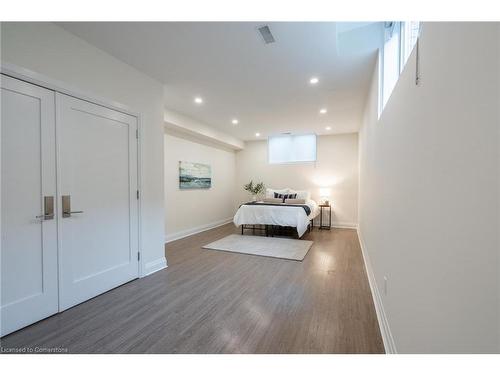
194 175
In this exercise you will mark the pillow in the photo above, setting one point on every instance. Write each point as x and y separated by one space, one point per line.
272 200
270 192
301 194
295 201
285 196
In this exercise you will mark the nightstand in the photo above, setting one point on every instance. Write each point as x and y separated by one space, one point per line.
321 208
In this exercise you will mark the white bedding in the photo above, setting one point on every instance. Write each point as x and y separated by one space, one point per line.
277 215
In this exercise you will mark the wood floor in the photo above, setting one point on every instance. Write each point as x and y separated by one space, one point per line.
210 301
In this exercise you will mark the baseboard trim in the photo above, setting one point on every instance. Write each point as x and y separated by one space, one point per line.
341 225
202 228
385 330
155 266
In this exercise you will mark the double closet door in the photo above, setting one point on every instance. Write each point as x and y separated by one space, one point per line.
69 207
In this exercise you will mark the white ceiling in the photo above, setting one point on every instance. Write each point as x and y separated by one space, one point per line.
266 87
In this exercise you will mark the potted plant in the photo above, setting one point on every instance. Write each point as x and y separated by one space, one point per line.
254 189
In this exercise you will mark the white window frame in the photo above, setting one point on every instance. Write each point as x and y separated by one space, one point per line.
402 56
396 29
294 162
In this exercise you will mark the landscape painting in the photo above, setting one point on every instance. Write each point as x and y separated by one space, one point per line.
194 175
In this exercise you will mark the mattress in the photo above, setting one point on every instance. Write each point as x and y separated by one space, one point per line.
283 215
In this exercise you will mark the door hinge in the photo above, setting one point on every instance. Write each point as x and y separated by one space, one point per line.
138 256
137 133
137 194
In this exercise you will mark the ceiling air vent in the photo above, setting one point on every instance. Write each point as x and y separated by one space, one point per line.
265 32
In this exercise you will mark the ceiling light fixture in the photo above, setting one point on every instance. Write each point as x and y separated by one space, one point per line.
234 121
322 111
328 128
313 80
257 134
198 100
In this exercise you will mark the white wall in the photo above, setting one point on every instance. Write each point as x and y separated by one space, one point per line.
336 167
189 211
429 193
188 126
51 51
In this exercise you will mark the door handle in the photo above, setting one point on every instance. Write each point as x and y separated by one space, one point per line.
44 217
48 208
66 207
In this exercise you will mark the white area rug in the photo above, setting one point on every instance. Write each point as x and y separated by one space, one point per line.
284 248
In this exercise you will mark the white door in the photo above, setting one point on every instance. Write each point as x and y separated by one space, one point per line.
28 175
97 174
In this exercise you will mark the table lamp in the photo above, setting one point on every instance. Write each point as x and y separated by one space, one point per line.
324 194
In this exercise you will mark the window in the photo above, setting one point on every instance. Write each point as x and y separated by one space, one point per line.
390 60
291 148
409 36
399 40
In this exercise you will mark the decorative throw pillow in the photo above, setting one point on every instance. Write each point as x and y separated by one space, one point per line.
295 201
301 194
272 200
285 196
270 192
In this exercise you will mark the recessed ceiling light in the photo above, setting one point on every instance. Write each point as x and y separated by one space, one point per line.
257 134
328 128
313 80
198 100
322 111
234 121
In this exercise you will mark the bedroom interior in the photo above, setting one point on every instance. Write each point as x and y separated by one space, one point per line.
250 187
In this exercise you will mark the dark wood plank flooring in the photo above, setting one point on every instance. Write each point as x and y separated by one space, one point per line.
210 301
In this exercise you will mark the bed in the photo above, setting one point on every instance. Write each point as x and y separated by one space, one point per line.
298 216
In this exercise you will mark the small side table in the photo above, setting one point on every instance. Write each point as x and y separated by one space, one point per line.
321 208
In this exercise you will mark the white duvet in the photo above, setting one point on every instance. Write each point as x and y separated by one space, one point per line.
277 215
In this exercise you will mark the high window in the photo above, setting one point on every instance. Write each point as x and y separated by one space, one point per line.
291 148
409 36
399 40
